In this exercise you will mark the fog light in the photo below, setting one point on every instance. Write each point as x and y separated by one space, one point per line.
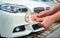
19 29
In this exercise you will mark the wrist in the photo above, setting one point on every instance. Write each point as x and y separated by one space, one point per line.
50 12
55 18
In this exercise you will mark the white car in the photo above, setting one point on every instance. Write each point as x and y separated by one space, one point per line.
14 14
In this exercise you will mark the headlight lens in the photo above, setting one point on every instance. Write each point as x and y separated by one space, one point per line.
12 8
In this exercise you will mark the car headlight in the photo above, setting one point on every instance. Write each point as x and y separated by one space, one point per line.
12 8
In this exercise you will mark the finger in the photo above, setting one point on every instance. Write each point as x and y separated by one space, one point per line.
33 17
43 13
39 19
45 24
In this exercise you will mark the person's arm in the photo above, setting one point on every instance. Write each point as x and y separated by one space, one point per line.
47 21
56 16
50 11
55 9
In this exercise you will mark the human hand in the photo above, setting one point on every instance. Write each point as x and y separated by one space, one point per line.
45 13
46 22
41 14
51 11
